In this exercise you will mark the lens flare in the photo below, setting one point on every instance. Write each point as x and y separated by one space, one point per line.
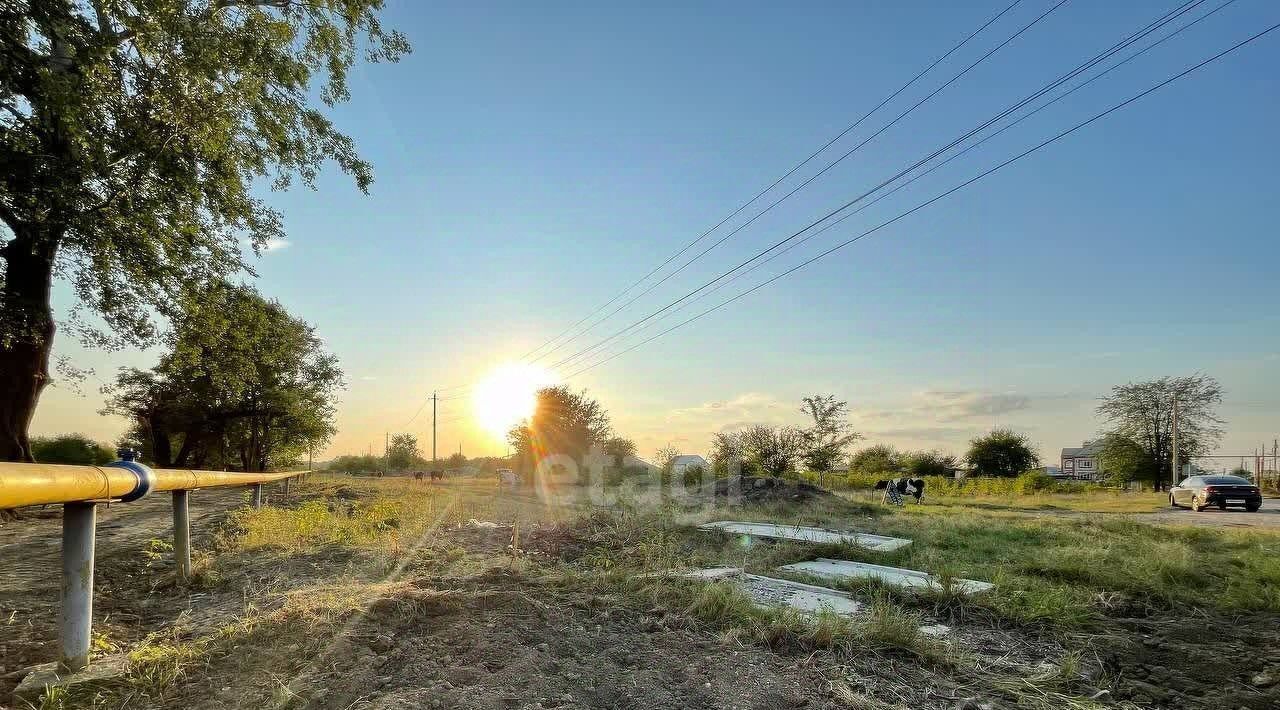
507 395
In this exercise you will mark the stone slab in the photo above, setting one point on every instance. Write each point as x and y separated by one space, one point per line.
800 533
843 569
100 672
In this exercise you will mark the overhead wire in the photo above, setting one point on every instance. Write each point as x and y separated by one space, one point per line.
859 210
943 195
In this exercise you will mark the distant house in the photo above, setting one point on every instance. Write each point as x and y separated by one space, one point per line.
1081 462
686 461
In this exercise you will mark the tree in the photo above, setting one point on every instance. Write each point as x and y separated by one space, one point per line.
242 384
877 460
402 452
1121 460
1242 472
928 463
1143 412
665 459
132 136
772 451
1003 452
618 449
726 453
456 461
831 434
563 422
75 449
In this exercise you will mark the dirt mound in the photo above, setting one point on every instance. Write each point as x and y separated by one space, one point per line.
763 489
1208 662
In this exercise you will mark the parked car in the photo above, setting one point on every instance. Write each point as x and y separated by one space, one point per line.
1196 492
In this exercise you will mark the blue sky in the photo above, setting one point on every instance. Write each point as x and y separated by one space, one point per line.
531 161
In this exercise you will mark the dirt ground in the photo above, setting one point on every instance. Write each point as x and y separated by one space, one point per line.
1267 517
464 621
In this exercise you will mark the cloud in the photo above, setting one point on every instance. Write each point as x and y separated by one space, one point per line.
954 405
929 433
367 378
270 246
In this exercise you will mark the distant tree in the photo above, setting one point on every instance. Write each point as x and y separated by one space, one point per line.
456 460
826 441
772 451
563 422
928 463
877 460
618 449
726 453
402 452
1242 472
1143 412
135 139
75 449
242 384
357 464
1003 453
664 458
1122 460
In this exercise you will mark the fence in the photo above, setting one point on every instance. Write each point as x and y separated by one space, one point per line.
79 489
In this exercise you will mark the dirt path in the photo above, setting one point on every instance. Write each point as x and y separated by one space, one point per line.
30 560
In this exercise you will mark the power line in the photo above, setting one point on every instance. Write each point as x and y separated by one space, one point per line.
829 165
1151 27
905 184
947 193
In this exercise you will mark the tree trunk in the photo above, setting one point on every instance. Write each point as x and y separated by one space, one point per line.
26 335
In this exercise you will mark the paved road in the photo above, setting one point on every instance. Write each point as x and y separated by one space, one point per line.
1268 517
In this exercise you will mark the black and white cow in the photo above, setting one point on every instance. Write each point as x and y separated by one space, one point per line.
905 486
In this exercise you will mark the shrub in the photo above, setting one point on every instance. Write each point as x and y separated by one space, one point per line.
692 477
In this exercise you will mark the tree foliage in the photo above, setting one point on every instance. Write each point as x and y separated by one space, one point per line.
1003 452
563 422
877 460
1122 460
132 135
619 448
830 435
402 452
919 464
1143 412
74 449
242 384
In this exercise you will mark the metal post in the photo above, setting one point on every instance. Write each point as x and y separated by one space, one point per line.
1175 469
257 495
75 625
182 534
286 487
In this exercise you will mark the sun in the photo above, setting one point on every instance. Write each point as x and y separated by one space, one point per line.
507 395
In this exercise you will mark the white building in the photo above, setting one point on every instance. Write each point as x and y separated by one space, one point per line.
685 461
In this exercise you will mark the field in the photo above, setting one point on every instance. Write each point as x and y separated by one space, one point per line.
387 593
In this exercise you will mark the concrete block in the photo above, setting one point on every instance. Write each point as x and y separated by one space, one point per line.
842 569
102 671
800 533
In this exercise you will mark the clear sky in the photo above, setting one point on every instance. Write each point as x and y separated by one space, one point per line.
533 159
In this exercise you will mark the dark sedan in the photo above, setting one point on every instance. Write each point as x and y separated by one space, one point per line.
1198 491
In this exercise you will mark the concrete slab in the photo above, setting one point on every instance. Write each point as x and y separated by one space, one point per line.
770 591
842 569
102 671
800 533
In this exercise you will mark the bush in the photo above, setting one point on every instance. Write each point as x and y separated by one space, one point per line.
75 449
692 477
1036 482
880 460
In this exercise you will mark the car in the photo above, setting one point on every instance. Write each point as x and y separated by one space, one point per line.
1196 492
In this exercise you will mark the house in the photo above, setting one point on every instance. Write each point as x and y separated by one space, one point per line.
1081 462
685 461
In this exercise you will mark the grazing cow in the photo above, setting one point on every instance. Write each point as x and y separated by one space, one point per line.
418 475
895 488
437 476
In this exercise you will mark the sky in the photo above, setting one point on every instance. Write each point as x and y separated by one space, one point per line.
534 159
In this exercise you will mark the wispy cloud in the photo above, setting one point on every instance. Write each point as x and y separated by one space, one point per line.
955 405
270 246
367 378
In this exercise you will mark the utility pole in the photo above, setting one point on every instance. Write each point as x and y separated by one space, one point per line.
1175 466
433 428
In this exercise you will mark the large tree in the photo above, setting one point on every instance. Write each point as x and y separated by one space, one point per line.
563 422
1143 413
772 451
1003 452
826 441
403 452
242 384
131 137
1121 460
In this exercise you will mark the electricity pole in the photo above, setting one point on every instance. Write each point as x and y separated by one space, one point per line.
433 428
1175 466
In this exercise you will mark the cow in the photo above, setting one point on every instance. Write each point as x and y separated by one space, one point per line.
437 475
418 475
902 486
